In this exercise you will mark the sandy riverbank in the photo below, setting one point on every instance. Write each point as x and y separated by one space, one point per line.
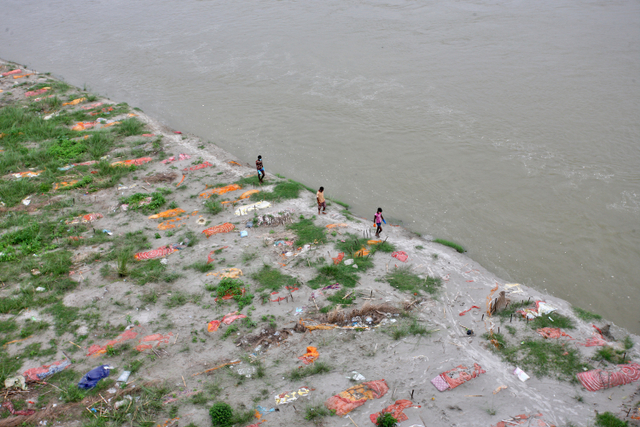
177 298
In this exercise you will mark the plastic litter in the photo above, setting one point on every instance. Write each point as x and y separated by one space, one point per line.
244 233
355 376
91 378
348 262
522 376
124 377
353 397
287 397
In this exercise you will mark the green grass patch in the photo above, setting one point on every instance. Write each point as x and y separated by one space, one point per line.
213 207
314 369
405 280
608 419
453 245
63 317
611 355
135 202
282 191
201 266
272 279
316 412
249 181
404 329
542 358
130 126
345 275
552 320
152 271
308 232
586 315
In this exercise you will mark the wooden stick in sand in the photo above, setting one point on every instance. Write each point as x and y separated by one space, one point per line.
354 423
217 367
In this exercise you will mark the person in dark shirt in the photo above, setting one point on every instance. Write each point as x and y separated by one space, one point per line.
260 168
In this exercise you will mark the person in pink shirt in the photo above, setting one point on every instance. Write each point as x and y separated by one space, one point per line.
377 221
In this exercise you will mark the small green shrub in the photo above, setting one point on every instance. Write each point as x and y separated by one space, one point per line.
586 315
221 414
386 420
607 419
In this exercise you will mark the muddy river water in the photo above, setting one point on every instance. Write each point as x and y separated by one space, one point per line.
510 127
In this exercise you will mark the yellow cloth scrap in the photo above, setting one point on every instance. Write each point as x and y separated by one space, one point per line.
244 210
373 242
248 194
362 252
74 102
64 184
232 273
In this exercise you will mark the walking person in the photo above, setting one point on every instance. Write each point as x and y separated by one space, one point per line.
321 202
260 168
377 221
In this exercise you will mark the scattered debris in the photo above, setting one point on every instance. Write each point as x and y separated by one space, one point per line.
522 376
288 397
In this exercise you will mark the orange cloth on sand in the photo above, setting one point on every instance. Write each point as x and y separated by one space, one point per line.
220 190
373 242
310 356
222 228
552 333
133 162
339 258
248 194
167 214
213 325
336 225
74 102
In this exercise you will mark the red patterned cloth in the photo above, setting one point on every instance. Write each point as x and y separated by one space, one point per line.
396 410
552 333
229 318
42 372
222 228
400 255
197 167
156 253
457 376
310 356
9 405
355 396
338 259
598 379
155 338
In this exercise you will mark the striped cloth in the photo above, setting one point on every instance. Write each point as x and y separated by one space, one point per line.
222 228
598 379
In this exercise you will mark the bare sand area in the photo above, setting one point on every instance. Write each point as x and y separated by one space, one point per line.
158 297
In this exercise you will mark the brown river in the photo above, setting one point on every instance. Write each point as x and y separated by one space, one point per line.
510 127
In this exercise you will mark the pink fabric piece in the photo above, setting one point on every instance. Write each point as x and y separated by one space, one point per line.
8 73
440 383
173 158
598 379
594 341
91 106
36 92
231 317
400 255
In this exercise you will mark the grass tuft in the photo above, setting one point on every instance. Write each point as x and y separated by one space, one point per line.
453 245
314 369
404 279
308 232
